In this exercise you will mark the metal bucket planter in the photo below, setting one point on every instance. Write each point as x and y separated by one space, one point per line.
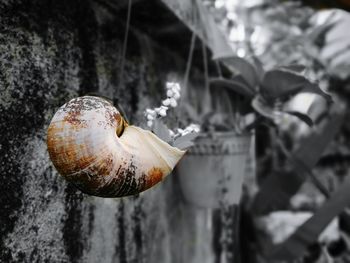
212 172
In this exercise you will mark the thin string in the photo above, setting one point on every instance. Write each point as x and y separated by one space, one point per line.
205 65
218 68
189 63
206 77
208 103
121 77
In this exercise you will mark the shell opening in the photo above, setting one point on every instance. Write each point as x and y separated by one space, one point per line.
120 129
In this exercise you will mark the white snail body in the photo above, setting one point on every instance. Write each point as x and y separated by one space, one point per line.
93 147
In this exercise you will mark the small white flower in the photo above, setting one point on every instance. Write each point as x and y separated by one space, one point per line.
176 87
181 131
185 132
193 128
162 112
169 85
173 102
170 93
176 95
173 94
166 102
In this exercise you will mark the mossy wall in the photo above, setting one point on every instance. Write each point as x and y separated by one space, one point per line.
50 52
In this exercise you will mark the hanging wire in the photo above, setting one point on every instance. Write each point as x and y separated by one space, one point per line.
218 68
205 65
127 27
207 99
208 103
189 61
187 74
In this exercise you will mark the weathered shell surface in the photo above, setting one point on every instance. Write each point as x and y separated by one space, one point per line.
92 146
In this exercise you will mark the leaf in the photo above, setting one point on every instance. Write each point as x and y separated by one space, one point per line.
303 117
317 36
279 187
315 89
259 68
281 84
233 85
246 69
310 148
294 68
318 110
162 131
296 245
185 141
261 106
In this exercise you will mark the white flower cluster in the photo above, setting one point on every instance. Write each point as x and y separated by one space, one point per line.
173 95
189 129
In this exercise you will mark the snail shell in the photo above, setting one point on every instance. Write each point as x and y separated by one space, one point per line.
93 147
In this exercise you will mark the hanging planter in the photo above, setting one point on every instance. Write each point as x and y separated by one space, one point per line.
212 172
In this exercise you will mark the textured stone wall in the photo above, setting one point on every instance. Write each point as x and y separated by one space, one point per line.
50 52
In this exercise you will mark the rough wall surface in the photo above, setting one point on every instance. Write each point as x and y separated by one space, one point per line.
50 52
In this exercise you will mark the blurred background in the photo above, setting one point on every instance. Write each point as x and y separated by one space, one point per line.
267 81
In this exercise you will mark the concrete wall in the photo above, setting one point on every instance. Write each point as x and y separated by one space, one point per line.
50 52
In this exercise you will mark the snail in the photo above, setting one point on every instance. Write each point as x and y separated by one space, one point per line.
92 146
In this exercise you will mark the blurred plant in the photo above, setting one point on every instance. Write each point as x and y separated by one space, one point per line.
287 33
268 89
267 93
282 224
296 245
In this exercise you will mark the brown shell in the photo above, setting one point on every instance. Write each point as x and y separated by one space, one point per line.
93 147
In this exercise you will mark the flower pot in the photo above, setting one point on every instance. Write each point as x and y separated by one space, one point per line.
211 174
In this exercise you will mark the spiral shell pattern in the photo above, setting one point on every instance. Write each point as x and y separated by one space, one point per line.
93 147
